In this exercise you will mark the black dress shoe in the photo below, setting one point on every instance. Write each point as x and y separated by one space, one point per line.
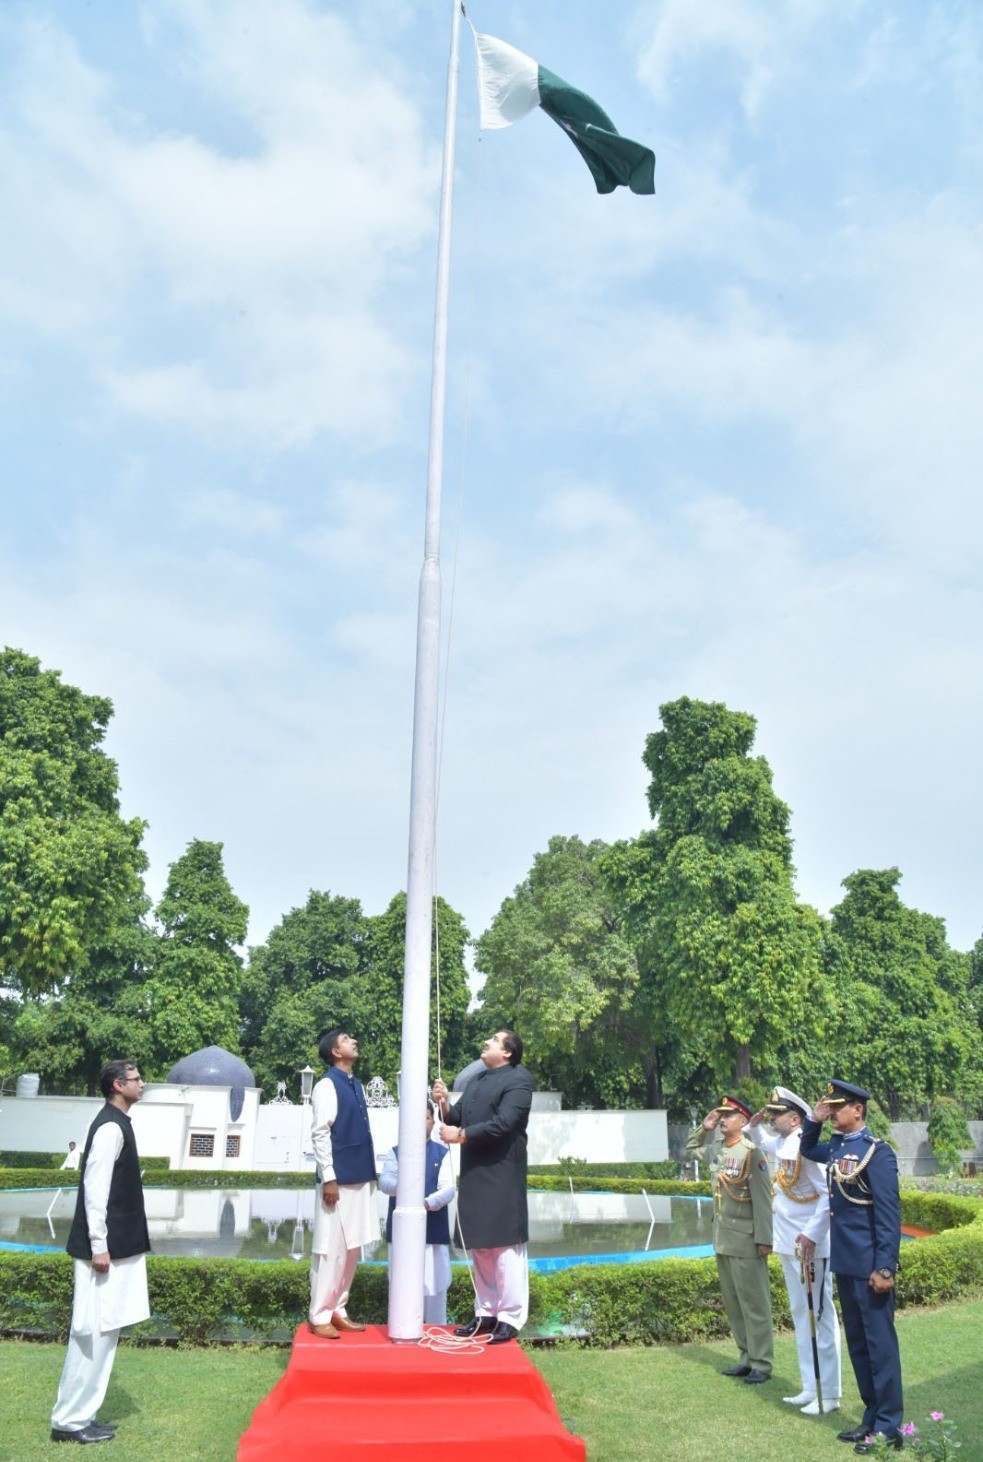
85 1434
737 1371
502 1332
853 1434
870 1443
480 1325
756 1378
109 1427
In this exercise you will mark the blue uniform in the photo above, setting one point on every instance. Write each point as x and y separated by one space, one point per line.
865 1235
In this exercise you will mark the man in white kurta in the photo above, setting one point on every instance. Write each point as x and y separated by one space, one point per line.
801 1225
109 1292
345 1215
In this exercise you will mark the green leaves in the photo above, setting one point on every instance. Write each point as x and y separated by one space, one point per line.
68 861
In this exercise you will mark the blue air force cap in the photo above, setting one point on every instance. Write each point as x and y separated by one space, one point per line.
838 1093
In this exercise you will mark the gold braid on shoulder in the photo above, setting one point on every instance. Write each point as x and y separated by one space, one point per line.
730 1183
787 1184
843 1182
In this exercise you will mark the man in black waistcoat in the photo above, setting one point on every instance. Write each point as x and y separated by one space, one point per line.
489 1121
109 1242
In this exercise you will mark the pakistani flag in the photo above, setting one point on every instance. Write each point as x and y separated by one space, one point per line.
511 84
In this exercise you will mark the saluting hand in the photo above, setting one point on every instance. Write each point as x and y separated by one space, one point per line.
710 1120
758 1118
821 1110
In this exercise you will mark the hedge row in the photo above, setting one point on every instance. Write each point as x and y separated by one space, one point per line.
197 1301
667 1169
159 1175
673 1187
47 1160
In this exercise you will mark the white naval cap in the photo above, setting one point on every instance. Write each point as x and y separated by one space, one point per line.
783 1100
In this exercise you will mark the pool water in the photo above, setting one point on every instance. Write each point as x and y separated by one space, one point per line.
276 1223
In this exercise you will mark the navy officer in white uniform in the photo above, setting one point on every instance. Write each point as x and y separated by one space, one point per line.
800 1205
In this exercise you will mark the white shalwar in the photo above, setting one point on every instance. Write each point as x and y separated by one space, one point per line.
102 1303
339 1232
801 1206
501 1283
437 1257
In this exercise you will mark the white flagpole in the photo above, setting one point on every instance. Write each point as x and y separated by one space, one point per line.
410 1218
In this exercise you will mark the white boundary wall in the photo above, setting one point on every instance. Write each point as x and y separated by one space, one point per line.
276 1137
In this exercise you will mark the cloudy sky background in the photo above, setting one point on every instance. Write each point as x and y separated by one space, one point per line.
724 442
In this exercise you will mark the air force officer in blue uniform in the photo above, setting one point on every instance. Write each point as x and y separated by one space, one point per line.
865 1233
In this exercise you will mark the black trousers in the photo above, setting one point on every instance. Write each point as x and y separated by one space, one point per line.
868 1324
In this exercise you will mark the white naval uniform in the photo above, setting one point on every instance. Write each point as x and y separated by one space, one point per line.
339 1232
437 1257
102 1303
804 1210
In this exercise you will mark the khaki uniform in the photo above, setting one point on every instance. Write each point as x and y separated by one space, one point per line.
741 1220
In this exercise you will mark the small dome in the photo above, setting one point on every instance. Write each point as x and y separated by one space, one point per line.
215 1067
211 1067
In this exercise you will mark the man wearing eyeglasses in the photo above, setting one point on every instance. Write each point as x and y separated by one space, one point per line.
109 1242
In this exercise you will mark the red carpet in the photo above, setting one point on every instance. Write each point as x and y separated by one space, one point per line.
370 1399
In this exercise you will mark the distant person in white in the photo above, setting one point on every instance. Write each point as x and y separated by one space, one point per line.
109 1242
72 1157
438 1192
801 1219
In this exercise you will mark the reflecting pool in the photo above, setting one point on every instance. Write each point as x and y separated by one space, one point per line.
276 1223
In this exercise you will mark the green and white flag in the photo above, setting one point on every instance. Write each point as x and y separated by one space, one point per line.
511 84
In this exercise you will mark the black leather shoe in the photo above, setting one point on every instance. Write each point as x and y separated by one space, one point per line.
481 1325
502 1332
86 1434
109 1427
738 1371
853 1434
870 1443
756 1378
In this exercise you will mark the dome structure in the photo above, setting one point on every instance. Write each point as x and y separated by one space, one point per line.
214 1066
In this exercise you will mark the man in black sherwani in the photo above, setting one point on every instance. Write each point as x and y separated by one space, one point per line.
489 1121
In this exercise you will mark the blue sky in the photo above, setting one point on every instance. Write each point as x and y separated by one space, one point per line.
724 442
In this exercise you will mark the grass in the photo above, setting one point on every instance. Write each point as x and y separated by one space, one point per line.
639 1404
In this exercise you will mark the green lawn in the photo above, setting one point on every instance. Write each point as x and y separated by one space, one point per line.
665 1402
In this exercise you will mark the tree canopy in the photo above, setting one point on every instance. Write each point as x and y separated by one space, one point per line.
560 969
69 863
193 994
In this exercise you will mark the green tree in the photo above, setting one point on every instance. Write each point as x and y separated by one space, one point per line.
382 1009
948 1133
100 1013
730 962
906 1004
193 993
560 969
306 977
330 964
69 863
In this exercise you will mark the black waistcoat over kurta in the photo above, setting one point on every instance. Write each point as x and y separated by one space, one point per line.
126 1218
492 1212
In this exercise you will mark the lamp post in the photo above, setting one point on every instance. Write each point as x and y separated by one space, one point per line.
306 1084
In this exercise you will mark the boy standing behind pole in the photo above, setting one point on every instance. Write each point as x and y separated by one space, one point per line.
438 1192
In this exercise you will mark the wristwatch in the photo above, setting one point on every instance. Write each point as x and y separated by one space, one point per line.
886 1273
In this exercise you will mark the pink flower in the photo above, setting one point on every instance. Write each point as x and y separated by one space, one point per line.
908 1430
937 1415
